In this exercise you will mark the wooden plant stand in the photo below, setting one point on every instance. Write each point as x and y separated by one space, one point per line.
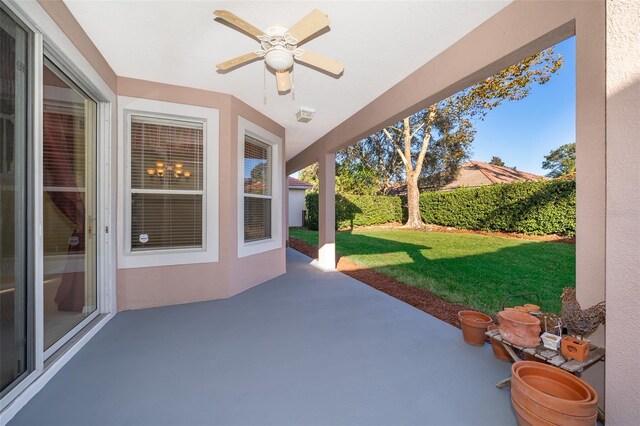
549 356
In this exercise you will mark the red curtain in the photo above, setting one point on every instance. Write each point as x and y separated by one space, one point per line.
60 131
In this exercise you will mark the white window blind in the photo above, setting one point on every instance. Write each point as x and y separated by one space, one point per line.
258 190
167 183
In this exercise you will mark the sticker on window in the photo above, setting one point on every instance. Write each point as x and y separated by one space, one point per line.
143 238
74 240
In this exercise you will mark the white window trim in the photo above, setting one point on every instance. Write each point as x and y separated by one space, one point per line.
127 258
246 127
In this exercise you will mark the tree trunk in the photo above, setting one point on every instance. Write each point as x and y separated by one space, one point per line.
413 204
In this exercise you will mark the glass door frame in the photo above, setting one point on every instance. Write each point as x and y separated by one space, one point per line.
91 159
47 38
27 178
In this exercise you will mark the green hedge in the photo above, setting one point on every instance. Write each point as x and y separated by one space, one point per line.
357 210
535 208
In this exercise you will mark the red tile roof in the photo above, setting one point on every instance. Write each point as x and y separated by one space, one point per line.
477 173
297 183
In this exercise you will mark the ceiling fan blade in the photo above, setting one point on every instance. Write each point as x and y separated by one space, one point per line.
321 62
237 61
283 81
238 22
309 25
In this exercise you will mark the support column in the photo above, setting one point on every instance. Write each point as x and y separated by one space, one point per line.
327 211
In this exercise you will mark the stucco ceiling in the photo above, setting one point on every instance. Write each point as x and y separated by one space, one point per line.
379 43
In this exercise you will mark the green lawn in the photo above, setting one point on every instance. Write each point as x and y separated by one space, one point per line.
475 270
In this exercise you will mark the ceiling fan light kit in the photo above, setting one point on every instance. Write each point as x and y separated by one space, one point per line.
279 47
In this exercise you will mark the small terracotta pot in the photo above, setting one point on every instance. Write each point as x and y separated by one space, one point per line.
519 328
574 348
522 309
474 325
498 348
532 308
554 389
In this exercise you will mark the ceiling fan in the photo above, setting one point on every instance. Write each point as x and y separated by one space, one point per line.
280 46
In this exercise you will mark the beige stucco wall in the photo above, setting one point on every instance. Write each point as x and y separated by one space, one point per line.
623 212
166 285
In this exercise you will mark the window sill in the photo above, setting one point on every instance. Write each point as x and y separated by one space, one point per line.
257 247
146 259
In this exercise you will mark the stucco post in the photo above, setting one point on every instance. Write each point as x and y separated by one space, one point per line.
623 212
327 211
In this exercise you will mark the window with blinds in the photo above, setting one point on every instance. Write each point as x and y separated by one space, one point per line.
167 183
258 169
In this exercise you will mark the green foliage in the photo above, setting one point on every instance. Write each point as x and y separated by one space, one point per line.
476 270
561 161
310 174
497 161
535 208
357 210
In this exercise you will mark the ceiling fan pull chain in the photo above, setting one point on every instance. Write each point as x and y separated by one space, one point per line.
264 84
293 84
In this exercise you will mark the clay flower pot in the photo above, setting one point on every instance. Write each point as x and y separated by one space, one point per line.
498 349
474 325
543 394
519 328
532 308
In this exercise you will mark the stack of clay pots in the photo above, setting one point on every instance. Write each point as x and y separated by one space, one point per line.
542 394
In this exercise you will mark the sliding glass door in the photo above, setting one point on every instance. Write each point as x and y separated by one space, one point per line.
15 279
69 204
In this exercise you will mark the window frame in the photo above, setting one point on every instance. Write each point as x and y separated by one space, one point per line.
247 128
209 119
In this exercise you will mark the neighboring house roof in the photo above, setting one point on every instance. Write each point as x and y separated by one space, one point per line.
298 184
477 173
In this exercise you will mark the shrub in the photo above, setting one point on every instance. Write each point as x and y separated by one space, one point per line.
357 210
535 208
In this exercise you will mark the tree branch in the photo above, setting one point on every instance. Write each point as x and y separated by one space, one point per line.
407 143
427 138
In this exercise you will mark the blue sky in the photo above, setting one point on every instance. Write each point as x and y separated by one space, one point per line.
523 132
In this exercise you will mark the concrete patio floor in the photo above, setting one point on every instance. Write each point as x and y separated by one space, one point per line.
309 347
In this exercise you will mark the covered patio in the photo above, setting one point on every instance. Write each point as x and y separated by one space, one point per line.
193 310
308 347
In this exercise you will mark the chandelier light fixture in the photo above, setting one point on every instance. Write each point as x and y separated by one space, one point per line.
176 170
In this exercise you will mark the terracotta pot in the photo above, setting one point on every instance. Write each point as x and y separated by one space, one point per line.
532 308
574 348
522 309
547 414
474 325
555 389
526 417
498 348
519 328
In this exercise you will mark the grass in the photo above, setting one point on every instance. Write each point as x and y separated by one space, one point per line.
479 271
